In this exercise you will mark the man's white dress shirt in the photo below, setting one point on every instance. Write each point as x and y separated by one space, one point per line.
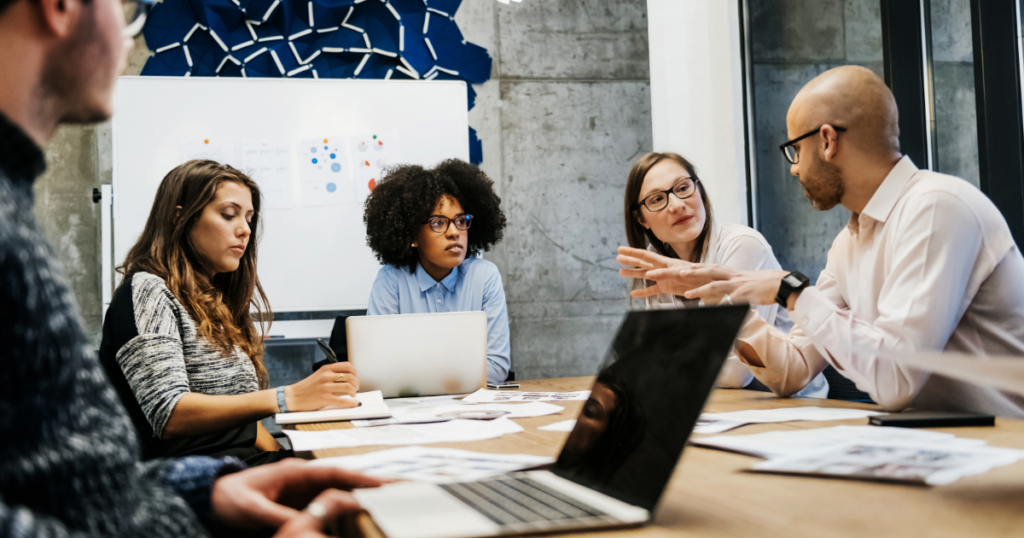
743 248
928 265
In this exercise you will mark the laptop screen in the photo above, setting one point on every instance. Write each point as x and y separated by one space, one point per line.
647 397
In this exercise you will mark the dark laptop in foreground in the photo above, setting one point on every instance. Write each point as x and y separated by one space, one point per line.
618 459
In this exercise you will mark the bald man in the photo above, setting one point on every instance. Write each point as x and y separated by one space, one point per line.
926 262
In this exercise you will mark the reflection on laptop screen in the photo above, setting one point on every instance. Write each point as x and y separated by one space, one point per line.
646 400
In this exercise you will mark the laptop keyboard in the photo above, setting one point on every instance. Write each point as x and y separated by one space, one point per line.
521 504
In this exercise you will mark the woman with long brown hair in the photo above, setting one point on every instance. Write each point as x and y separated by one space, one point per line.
179 338
667 211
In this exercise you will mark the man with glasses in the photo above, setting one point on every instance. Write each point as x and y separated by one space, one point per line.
69 461
926 262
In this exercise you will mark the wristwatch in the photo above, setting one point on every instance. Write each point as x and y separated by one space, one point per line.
792 282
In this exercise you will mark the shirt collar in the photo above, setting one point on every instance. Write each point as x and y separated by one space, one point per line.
426 281
884 200
20 157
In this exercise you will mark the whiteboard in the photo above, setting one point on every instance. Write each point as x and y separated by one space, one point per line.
311 257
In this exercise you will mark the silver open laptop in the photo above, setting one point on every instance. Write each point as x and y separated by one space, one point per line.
419 354
618 459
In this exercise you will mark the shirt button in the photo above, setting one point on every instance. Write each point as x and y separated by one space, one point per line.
805 322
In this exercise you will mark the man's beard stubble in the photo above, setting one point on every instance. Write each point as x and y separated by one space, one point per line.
823 185
70 88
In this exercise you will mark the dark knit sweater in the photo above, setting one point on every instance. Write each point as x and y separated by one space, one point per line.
69 458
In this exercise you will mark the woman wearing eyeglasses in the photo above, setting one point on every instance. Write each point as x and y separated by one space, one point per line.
667 211
418 223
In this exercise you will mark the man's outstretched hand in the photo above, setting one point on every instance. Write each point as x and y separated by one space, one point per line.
271 495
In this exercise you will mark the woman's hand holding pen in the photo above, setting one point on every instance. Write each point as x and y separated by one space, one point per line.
333 385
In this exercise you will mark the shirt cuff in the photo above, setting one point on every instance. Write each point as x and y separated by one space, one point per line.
193 478
812 310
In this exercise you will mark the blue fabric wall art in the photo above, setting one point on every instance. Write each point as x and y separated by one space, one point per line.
368 39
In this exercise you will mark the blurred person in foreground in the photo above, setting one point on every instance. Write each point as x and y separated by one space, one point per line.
70 457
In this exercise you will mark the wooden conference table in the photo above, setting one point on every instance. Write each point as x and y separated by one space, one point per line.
709 495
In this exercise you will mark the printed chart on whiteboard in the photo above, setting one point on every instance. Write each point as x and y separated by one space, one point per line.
373 153
323 172
220 149
269 164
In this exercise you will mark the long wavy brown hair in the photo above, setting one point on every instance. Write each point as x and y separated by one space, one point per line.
223 307
641 237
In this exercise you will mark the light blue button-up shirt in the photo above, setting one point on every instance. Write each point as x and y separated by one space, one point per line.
473 286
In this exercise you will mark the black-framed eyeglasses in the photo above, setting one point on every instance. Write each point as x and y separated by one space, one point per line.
789 149
656 201
440 224
135 13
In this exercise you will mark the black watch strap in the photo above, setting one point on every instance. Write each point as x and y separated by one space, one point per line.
792 282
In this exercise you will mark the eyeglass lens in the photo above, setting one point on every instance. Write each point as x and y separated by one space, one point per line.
659 200
440 224
791 155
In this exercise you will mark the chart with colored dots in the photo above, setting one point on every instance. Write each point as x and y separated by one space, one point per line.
324 171
373 153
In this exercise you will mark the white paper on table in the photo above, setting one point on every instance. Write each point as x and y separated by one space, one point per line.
563 426
436 414
716 425
269 164
438 465
503 396
324 171
776 444
214 148
932 464
760 416
423 402
371 405
453 431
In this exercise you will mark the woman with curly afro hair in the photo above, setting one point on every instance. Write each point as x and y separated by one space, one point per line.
418 224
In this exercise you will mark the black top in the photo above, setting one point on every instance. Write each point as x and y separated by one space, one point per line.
118 329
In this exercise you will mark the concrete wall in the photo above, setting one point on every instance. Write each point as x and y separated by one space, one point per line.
566 113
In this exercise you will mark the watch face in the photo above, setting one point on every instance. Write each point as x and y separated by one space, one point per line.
792 281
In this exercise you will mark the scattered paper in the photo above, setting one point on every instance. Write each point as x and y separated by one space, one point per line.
776 444
324 172
404 434
930 464
721 422
436 465
371 405
423 402
421 415
373 153
269 163
716 425
502 396
220 149
563 426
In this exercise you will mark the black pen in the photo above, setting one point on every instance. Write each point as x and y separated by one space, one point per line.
331 357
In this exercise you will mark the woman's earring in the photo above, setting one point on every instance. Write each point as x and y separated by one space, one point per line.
413 245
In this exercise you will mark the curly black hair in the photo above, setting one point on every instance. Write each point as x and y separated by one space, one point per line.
407 195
